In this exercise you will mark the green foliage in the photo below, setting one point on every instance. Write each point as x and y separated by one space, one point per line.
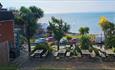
96 51
66 27
78 49
69 37
84 30
85 42
42 46
110 41
22 39
105 24
58 28
38 12
18 20
109 32
113 49
28 17
74 52
90 49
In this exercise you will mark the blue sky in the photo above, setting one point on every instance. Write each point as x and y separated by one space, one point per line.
65 6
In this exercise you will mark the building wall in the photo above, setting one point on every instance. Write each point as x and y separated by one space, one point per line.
6 30
6 36
4 53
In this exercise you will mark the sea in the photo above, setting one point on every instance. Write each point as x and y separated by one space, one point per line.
77 20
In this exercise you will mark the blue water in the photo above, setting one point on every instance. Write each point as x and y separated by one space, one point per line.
77 20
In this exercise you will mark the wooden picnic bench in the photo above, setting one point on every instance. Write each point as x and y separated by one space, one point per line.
45 54
37 53
102 54
68 54
86 53
55 54
92 54
110 52
110 55
62 52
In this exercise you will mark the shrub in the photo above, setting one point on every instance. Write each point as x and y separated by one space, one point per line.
90 49
85 42
44 46
113 49
96 51
78 49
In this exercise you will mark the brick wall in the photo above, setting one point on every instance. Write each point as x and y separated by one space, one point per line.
6 31
6 35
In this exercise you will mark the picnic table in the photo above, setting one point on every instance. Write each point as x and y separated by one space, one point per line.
62 47
85 53
110 52
110 55
68 54
37 53
67 46
55 54
100 48
61 52
102 54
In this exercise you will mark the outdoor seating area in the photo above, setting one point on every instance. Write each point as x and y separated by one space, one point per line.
85 53
82 45
63 35
64 53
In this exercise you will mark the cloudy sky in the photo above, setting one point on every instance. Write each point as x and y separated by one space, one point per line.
65 6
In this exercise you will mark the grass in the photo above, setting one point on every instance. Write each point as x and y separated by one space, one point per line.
8 67
79 36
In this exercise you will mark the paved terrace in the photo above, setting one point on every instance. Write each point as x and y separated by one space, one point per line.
24 63
74 64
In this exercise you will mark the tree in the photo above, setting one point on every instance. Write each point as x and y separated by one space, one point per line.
84 30
109 32
28 18
85 42
58 28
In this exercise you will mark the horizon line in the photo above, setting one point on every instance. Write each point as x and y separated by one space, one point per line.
78 12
